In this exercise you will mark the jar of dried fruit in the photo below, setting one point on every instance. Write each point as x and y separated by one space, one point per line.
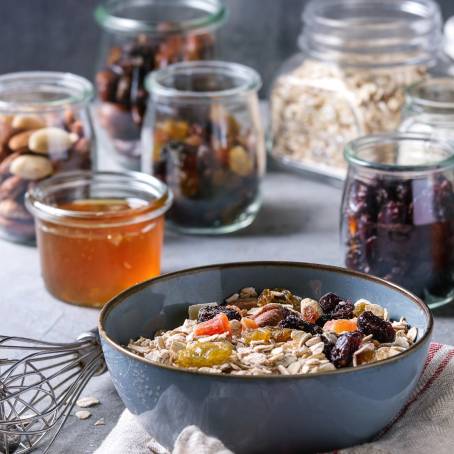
141 36
429 108
397 218
203 137
356 58
45 128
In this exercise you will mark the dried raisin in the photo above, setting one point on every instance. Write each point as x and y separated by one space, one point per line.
343 310
342 353
381 330
294 321
329 301
208 312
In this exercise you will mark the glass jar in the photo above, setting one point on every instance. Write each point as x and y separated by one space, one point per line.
397 218
45 128
429 108
98 232
141 36
203 137
356 58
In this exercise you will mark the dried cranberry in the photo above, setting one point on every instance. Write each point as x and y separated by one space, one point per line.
323 319
343 310
381 330
393 213
342 353
329 301
294 321
208 312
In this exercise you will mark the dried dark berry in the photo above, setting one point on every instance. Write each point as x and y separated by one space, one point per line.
342 353
208 312
329 301
393 213
343 310
294 321
381 330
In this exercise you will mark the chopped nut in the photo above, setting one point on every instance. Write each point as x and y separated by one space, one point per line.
83 414
89 401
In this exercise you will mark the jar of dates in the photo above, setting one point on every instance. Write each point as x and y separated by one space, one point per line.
141 36
203 137
356 59
45 128
429 108
397 218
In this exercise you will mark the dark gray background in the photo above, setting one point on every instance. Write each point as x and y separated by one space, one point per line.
62 35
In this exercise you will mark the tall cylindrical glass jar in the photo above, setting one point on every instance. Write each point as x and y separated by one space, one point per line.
203 137
357 57
429 108
397 218
45 128
140 36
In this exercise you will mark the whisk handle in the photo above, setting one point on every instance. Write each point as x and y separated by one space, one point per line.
92 337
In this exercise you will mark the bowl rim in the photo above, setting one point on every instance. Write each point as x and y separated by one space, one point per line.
121 297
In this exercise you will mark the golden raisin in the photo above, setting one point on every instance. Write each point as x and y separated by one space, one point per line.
204 354
282 334
260 334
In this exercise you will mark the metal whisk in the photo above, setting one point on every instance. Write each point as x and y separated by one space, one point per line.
39 385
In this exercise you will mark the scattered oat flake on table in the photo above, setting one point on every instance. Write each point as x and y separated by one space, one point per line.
100 422
89 401
83 414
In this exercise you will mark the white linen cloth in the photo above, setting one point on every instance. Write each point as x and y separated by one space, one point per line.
425 424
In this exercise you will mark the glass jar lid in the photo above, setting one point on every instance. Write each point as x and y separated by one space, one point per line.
43 91
400 153
203 81
160 16
375 33
149 198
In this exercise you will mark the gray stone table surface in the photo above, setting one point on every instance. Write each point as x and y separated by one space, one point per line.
298 221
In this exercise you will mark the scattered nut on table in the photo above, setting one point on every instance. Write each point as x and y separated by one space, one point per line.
82 414
100 422
88 401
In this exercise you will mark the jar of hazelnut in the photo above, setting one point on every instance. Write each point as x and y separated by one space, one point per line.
356 59
141 36
45 128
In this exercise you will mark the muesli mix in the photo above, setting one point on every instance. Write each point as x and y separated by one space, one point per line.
278 333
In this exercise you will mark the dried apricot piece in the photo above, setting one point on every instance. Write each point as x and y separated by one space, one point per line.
204 354
341 325
248 323
216 325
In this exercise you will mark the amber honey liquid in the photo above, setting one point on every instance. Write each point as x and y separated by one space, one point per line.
90 264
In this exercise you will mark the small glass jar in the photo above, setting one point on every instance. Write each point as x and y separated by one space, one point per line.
98 232
203 137
141 36
357 57
45 128
429 108
397 218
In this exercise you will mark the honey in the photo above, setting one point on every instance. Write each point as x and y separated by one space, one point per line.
93 248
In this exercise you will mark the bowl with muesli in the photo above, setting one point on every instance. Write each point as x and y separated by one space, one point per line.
266 356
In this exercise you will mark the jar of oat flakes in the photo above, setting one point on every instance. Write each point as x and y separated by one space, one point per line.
45 128
357 57
140 36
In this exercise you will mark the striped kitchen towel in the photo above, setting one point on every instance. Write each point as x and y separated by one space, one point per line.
424 425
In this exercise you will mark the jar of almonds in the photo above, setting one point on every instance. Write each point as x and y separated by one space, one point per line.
140 36
203 137
45 128
357 57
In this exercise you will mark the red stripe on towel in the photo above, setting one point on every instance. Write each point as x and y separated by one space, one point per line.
445 361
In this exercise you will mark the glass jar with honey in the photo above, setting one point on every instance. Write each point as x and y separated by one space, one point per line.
98 232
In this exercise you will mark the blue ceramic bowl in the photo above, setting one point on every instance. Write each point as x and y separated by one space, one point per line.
278 414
